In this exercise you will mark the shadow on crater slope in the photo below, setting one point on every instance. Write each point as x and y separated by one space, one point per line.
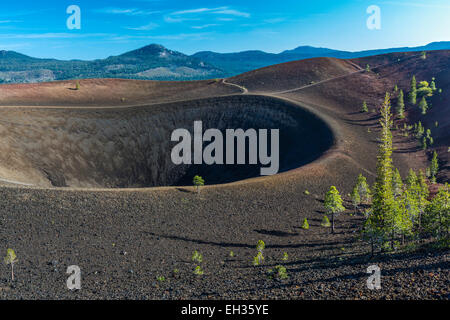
131 147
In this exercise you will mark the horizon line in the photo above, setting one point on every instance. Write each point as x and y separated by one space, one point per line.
158 44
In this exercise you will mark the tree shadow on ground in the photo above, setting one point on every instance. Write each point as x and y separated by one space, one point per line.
250 246
276 233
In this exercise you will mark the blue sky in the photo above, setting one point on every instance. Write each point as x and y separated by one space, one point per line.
111 27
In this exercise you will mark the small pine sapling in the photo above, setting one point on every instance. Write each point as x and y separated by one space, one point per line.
413 92
356 198
434 167
401 105
364 107
333 204
197 257
423 105
305 224
11 259
281 272
363 188
198 271
325 222
259 258
198 182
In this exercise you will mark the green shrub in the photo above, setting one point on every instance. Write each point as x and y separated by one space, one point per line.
197 257
305 224
198 271
325 222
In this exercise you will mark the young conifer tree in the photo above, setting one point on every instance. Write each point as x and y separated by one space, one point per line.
423 105
397 184
363 188
437 221
401 105
364 107
356 198
333 204
434 167
413 91
382 219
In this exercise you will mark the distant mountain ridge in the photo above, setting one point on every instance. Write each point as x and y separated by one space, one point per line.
249 60
155 62
150 62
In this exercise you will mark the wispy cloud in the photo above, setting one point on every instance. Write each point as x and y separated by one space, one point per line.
205 26
232 12
171 19
127 11
225 19
199 10
179 16
146 27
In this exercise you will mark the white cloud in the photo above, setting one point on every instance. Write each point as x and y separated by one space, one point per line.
199 10
127 11
178 16
205 26
146 27
232 13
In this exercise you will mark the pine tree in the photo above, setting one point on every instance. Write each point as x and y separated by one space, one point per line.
356 198
397 184
423 105
333 204
364 107
422 193
433 84
419 130
198 182
437 219
11 259
401 105
413 92
305 224
411 179
325 222
434 167
424 143
381 221
408 211
363 188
